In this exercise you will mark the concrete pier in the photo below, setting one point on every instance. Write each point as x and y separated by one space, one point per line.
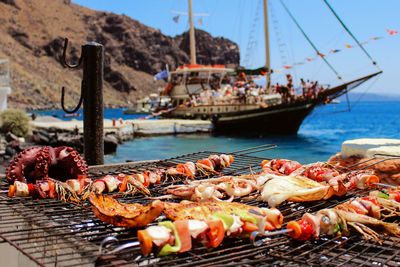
128 129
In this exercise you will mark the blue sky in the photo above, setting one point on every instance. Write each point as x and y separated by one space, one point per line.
241 21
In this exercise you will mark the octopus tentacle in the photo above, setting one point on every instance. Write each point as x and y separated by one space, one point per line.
37 163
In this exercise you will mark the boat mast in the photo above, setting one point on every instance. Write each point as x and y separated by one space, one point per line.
191 34
267 56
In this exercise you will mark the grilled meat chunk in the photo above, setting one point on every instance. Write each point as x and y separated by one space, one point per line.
109 210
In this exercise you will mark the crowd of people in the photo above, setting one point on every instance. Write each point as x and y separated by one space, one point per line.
309 90
246 91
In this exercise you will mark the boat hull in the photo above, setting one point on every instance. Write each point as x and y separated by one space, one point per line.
277 119
273 120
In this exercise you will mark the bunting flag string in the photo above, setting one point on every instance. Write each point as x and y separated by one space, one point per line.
334 50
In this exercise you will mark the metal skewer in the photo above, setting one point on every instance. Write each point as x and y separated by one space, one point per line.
113 239
253 238
385 185
258 242
254 149
389 157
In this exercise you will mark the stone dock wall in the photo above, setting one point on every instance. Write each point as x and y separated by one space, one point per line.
128 129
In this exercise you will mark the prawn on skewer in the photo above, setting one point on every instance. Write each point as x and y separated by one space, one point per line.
364 214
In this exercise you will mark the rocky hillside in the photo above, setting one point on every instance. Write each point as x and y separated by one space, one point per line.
32 35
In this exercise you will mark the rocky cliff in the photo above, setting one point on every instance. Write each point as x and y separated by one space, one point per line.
32 35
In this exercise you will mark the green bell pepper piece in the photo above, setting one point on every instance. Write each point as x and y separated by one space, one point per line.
226 219
383 195
337 228
245 216
168 249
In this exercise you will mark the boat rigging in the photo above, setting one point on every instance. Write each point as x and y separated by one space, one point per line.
234 103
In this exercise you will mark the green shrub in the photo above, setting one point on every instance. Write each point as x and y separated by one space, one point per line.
15 121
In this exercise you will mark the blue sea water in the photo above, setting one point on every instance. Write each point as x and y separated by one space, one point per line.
320 136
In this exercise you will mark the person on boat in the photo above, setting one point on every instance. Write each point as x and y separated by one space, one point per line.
242 94
303 87
228 91
241 77
289 79
314 90
277 88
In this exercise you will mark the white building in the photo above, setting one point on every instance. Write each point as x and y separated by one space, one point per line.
4 83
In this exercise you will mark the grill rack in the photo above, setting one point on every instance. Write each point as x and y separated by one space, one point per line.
52 233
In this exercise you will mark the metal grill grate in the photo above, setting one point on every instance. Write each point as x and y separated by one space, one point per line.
53 233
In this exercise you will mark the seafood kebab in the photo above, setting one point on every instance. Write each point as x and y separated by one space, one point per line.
321 172
75 190
278 181
364 214
207 224
111 211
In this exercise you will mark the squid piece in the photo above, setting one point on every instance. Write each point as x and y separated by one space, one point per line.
298 189
215 188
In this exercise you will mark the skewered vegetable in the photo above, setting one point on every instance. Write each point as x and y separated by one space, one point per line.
205 226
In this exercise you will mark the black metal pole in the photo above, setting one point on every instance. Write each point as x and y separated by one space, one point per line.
93 109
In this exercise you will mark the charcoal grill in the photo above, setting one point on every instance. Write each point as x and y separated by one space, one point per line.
53 233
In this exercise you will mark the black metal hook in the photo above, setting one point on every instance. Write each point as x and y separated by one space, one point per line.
65 64
70 111
64 55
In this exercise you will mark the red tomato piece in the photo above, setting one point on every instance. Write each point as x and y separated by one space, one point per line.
373 200
215 234
394 194
306 230
31 190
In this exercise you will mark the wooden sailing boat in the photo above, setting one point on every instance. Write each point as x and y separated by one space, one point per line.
193 89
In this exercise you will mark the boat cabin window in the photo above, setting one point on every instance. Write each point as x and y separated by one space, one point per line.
197 77
177 78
